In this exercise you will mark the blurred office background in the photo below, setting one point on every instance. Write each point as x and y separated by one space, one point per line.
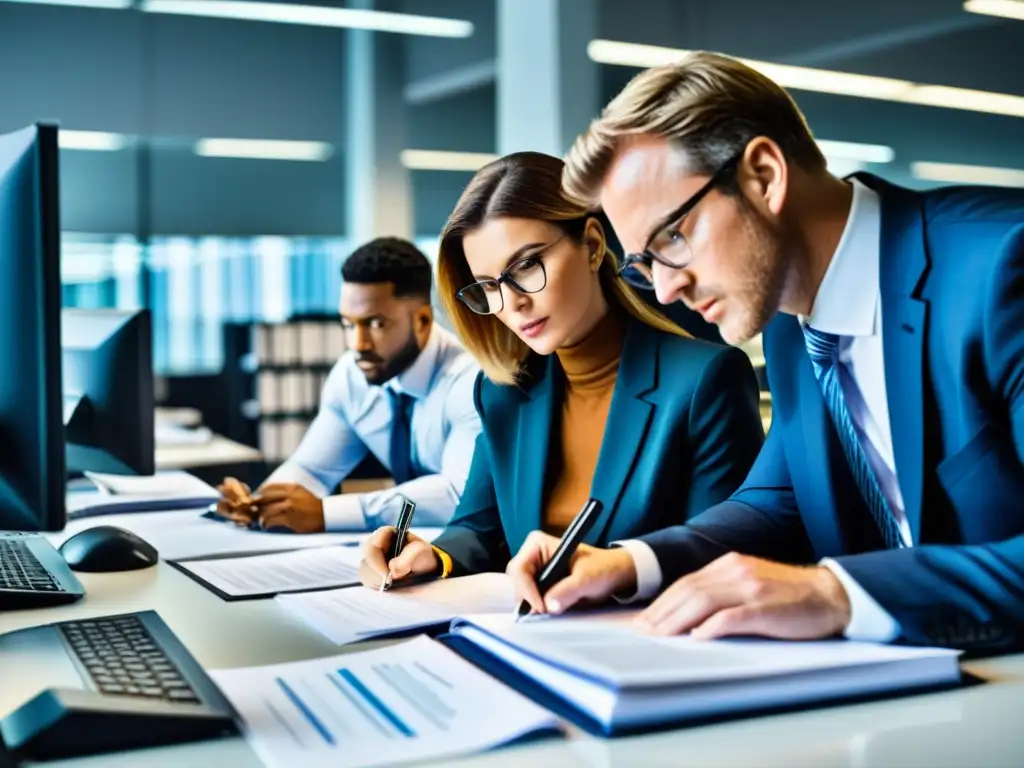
219 159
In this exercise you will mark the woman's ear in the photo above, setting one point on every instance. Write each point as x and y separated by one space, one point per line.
593 238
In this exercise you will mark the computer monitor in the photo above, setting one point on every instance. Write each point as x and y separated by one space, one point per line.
108 391
32 470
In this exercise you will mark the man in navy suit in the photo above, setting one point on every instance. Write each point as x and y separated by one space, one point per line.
888 501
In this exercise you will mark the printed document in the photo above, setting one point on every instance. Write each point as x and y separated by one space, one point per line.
411 701
303 570
350 615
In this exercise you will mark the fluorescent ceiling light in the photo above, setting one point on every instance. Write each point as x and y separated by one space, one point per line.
95 141
863 153
1008 9
968 174
824 80
436 160
79 3
314 15
964 98
264 149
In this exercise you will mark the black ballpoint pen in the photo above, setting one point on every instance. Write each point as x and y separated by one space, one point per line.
399 536
557 568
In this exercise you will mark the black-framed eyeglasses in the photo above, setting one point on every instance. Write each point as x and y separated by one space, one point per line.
525 275
667 244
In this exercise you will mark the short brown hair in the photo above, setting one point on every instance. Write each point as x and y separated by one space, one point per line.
709 104
525 185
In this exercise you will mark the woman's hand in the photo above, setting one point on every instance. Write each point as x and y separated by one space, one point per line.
417 558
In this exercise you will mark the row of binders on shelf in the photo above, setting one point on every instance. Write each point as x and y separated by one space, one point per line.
279 438
294 392
303 342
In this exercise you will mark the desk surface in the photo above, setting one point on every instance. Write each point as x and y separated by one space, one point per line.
977 726
219 450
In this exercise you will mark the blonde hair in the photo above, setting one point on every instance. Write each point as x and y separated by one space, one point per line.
710 105
523 185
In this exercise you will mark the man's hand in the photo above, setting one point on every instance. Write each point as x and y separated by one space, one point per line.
742 595
236 502
291 506
594 575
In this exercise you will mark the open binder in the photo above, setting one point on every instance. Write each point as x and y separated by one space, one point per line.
609 680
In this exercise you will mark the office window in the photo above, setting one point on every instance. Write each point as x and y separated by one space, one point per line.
194 285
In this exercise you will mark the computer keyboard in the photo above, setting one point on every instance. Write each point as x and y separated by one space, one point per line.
122 659
20 569
33 574
108 683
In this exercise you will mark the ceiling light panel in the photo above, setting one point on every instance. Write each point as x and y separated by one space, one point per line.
314 15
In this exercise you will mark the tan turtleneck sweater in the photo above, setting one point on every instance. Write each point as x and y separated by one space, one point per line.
591 369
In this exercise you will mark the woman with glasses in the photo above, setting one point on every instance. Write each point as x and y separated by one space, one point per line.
586 391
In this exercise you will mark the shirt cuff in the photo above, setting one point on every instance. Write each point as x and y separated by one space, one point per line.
648 570
344 513
868 620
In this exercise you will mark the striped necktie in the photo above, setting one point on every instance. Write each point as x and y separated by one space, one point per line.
823 350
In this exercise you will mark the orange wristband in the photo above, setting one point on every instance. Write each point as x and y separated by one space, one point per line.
446 562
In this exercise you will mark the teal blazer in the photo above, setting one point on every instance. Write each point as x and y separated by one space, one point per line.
683 429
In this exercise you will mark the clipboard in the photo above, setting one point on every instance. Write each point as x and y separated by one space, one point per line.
180 565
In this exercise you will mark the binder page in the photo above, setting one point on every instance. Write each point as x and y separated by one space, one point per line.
607 648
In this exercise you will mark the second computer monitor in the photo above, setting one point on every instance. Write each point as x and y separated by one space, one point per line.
108 391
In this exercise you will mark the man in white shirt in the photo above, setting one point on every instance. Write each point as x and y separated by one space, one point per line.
403 391
888 501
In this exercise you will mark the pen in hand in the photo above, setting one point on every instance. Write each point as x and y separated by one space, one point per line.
557 568
398 538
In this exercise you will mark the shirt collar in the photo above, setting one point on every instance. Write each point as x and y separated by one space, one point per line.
847 299
417 378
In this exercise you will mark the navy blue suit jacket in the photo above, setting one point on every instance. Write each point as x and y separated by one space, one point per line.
952 292
683 429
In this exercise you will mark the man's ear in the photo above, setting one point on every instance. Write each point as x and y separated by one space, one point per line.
424 316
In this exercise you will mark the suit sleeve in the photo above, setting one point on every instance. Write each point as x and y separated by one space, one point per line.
760 519
475 539
725 429
966 596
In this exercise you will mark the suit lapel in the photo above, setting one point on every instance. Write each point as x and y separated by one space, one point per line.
902 273
533 445
629 418
816 436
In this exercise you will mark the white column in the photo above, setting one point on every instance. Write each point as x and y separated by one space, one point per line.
548 89
378 190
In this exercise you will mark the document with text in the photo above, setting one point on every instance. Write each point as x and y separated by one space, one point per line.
278 573
351 615
411 701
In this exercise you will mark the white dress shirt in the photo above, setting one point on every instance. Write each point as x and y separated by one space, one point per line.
848 304
355 419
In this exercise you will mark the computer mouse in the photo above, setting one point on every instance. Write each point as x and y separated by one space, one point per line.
107 549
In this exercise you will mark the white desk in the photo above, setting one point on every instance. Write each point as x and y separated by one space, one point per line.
979 726
219 450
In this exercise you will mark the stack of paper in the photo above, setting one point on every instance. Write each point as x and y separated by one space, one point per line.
621 679
351 615
412 701
163 491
